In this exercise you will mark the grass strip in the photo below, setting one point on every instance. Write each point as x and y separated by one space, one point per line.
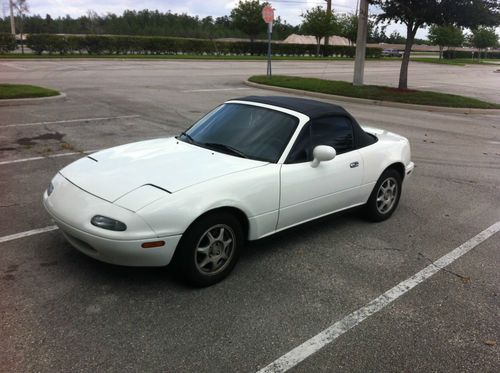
10 91
457 61
373 92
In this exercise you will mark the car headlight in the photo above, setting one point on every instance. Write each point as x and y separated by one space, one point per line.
50 189
108 223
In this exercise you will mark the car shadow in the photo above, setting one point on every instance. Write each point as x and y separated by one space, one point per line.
166 277
305 231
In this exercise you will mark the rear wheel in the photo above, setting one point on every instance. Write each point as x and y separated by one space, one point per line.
209 249
385 196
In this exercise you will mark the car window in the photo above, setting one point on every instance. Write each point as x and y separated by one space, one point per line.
332 131
251 131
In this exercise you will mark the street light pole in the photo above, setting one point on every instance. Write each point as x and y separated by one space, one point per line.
12 23
359 63
329 12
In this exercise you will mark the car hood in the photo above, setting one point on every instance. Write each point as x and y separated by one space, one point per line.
166 164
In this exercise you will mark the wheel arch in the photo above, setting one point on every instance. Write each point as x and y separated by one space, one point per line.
236 212
399 167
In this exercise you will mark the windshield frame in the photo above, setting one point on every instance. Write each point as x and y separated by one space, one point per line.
301 120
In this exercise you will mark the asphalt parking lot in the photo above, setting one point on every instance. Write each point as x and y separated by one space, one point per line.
62 311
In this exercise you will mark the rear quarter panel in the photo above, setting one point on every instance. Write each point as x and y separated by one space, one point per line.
389 149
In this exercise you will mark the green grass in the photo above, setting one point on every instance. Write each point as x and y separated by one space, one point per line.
457 61
373 92
9 91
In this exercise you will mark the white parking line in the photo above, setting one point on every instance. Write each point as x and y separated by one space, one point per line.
45 157
216 90
69 121
28 233
327 336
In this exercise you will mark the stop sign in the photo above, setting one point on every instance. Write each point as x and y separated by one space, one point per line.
268 14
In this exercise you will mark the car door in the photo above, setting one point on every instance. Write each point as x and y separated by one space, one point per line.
308 192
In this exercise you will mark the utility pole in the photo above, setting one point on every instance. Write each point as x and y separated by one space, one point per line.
12 24
359 63
329 12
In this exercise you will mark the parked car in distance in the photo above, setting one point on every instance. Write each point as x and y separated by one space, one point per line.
391 53
249 168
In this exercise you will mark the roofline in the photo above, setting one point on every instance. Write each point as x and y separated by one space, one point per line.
295 113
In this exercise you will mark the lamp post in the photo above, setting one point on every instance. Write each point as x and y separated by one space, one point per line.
12 22
359 63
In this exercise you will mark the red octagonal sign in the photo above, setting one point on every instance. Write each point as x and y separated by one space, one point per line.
268 14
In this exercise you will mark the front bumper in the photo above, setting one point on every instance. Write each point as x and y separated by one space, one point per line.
72 208
409 169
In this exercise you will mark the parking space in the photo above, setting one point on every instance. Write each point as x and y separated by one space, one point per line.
60 310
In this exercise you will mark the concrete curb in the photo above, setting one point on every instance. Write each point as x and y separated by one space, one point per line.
31 101
363 101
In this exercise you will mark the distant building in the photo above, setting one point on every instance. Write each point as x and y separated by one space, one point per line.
310 39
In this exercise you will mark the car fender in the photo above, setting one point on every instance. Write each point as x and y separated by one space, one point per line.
255 192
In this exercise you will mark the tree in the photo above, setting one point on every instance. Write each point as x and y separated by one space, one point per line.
347 25
247 17
7 42
483 38
282 29
319 23
417 13
445 36
21 8
396 38
378 35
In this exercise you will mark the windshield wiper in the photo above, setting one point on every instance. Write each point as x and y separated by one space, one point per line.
227 148
191 140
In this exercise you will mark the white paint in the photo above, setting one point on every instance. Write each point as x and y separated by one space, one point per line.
11 65
216 90
327 336
28 233
69 121
46 157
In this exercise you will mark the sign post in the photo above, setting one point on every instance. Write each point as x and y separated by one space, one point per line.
268 16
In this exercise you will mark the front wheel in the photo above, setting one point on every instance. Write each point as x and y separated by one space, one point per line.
385 196
209 249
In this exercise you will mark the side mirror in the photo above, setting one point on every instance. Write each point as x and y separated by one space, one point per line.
322 153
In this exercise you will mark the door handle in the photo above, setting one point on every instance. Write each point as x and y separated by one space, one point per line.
354 164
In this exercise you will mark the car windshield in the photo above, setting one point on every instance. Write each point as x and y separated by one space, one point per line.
246 131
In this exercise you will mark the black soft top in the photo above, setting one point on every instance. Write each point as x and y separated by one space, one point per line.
314 109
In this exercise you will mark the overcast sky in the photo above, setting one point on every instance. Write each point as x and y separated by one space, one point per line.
289 10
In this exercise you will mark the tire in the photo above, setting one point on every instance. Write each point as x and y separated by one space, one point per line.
385 196
209 249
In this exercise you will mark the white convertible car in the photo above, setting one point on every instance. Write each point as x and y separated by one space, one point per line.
248 169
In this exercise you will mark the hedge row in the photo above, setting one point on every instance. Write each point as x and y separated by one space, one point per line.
7 43
99 44
450 54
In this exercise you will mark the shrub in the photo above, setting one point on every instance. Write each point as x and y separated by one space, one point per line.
452 54
100 44
7 43
37 42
